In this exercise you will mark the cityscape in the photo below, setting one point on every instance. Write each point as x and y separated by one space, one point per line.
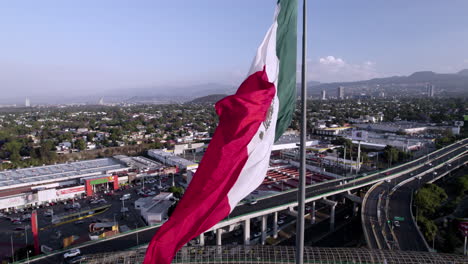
106 175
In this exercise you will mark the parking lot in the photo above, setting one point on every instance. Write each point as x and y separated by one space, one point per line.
15 228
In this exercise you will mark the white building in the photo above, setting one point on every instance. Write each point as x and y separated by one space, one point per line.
154 209
170 159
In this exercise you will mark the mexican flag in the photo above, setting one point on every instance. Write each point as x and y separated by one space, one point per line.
237 158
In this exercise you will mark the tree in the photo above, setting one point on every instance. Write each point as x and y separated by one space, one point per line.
80 144
177 191
13 148
429 198
390 154
462 184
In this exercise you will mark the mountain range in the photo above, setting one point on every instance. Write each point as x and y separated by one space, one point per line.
445 84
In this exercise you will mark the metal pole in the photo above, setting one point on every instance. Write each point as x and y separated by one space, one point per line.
301 190
12 250
136 227
344 160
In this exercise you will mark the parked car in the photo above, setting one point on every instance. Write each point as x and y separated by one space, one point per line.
252 202
72 253
125 197
49 212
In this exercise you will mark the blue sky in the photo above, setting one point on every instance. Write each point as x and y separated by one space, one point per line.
80 46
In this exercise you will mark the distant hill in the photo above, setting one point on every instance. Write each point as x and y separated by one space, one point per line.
463 72
446 84
209 99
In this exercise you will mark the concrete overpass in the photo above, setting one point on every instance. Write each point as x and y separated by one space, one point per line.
268 206
388 201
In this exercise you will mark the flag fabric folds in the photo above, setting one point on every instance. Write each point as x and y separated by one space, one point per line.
237 158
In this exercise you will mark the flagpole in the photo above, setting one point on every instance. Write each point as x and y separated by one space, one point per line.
302 173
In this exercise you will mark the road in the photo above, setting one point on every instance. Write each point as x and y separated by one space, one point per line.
384 202
144 235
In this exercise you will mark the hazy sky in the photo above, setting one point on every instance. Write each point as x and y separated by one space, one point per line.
69 47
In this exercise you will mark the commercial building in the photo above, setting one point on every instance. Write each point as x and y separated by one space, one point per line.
170 159
290 142
394 127
330 131
30 187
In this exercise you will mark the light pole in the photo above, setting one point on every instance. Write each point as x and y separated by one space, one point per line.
136 227
12 250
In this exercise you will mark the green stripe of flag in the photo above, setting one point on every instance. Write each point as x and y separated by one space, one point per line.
286 45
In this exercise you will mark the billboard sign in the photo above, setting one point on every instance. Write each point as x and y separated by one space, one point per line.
359 135
70 190
102 180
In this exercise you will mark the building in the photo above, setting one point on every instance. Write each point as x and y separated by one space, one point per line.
394 127
31 187
290 142
330 131
189 148
323 95
27 103
154 209
101 101
340 92
430 90
170 159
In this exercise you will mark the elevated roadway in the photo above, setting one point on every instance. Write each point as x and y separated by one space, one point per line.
264 206
390 201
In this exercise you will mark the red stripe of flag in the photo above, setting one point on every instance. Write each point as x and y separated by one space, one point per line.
206 203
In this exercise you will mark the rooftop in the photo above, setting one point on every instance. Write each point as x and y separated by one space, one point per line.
52 173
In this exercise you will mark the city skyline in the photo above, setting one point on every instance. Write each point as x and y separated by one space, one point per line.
70 48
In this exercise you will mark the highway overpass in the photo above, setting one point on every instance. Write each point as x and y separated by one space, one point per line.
266 206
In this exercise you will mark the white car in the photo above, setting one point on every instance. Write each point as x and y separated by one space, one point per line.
72 253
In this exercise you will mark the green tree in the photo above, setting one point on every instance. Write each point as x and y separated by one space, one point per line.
80 144
177 191
13 148
429 198
390 154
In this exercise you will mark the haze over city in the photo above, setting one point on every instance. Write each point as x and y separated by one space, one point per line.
57 49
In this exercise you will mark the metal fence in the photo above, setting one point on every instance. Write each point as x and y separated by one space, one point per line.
283 255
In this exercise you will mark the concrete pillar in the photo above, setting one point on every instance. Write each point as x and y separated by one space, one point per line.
264 227
332 218
275 225
247 232
202 239
219 233
312 213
